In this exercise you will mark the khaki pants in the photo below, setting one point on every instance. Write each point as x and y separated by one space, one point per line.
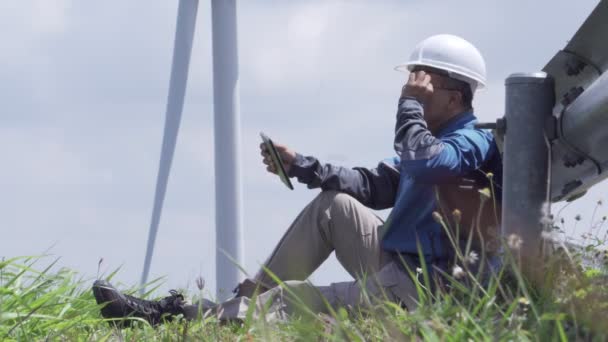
332 222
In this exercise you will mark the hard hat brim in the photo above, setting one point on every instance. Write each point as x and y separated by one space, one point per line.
407 67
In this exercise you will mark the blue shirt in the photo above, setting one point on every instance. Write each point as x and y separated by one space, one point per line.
407 182
457 150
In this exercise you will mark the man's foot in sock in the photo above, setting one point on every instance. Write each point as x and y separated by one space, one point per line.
120 305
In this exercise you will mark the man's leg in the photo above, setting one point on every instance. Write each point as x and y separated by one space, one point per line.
333 221
298 298
392 283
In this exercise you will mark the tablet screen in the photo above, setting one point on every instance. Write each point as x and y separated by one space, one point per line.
276 159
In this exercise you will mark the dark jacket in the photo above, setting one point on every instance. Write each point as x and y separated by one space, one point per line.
432 172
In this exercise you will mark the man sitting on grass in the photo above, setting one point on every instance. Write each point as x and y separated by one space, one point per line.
433 185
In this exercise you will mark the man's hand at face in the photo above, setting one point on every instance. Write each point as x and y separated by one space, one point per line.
418 86
286 155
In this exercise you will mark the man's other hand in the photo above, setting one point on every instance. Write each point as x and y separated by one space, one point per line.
418 86
287 156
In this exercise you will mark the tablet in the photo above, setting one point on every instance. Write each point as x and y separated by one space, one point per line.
276 159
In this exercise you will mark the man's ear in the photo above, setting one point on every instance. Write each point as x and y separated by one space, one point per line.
455 99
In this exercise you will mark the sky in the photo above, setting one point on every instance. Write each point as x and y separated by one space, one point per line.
83 87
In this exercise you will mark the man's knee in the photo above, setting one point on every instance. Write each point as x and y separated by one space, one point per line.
333 198
339 208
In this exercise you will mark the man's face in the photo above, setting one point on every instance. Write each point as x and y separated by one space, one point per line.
440 95
439 104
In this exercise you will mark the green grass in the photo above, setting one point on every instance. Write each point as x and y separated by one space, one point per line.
44 302
41 301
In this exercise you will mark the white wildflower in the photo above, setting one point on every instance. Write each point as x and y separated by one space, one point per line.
472 258
545 214
523 301
514 241
457 272
457 215
437 217
485 194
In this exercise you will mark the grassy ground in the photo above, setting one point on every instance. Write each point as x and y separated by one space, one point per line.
39 301
37 304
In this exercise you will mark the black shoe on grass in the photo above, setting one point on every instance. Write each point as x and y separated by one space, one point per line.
120 305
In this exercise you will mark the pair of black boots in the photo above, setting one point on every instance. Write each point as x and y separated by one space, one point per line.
118 306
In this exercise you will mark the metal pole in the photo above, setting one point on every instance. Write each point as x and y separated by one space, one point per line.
182 50
228 220
529 104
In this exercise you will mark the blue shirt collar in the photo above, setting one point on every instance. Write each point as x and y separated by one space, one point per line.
457 122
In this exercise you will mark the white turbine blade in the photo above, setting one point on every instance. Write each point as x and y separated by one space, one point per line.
184 36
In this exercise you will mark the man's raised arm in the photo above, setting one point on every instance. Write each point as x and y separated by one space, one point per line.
427 158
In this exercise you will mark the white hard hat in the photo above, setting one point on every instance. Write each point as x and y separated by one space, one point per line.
452 54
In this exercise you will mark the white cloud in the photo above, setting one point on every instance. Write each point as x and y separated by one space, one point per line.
308 23
50 16
27 24
319 40
31 159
